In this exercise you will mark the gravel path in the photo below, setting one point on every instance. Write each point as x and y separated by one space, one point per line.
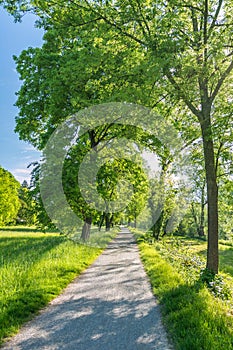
109 307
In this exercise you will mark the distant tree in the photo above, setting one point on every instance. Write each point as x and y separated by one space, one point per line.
9 199
26 214
42 220
111 179
112 185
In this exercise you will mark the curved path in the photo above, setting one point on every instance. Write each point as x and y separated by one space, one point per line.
109 307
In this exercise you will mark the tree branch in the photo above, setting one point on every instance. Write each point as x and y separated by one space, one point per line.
112 23
218 156
143 17
138 20
215 17
221 81
189 104
72 24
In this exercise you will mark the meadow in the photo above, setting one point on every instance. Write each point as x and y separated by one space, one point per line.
34 268
197 310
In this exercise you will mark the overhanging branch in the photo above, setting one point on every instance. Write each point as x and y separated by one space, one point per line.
221 81
189 104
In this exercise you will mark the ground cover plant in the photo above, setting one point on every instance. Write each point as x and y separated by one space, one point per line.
34 268
197 309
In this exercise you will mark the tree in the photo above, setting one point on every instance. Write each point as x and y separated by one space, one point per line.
26 213
109 192
185 52
129 172
9 199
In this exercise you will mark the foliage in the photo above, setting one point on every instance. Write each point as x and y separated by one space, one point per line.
133 182
26 214
215 284
167 204
71 71
43 221
9 200
185 255
173 56
120 186
121 168
16 7
225 208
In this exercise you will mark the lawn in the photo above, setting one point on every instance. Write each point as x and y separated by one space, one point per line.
196 317
34 268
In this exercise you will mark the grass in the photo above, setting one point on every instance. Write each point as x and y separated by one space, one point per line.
34 268
97 238
195 319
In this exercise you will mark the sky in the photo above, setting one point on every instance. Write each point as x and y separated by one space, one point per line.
15 155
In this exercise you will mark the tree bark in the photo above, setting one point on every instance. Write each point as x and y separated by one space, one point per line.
111 220
201 231
86 229
212 194
101 221
107 222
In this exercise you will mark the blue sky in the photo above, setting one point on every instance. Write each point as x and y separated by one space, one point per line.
15 155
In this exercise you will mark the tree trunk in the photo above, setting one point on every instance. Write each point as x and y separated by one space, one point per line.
107 222
111 220
212 195
86 229
157 226
101 221
201 231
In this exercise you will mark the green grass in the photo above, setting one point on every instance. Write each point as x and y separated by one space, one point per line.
97 238
34 268
194 318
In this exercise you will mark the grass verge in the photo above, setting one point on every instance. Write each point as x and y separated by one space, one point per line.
195 319
35 268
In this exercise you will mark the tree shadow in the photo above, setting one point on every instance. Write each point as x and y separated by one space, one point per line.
26 229
226 260
94 324
109 306
187 312
22 248
19 229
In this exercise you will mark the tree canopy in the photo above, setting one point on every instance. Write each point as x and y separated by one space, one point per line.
174 56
